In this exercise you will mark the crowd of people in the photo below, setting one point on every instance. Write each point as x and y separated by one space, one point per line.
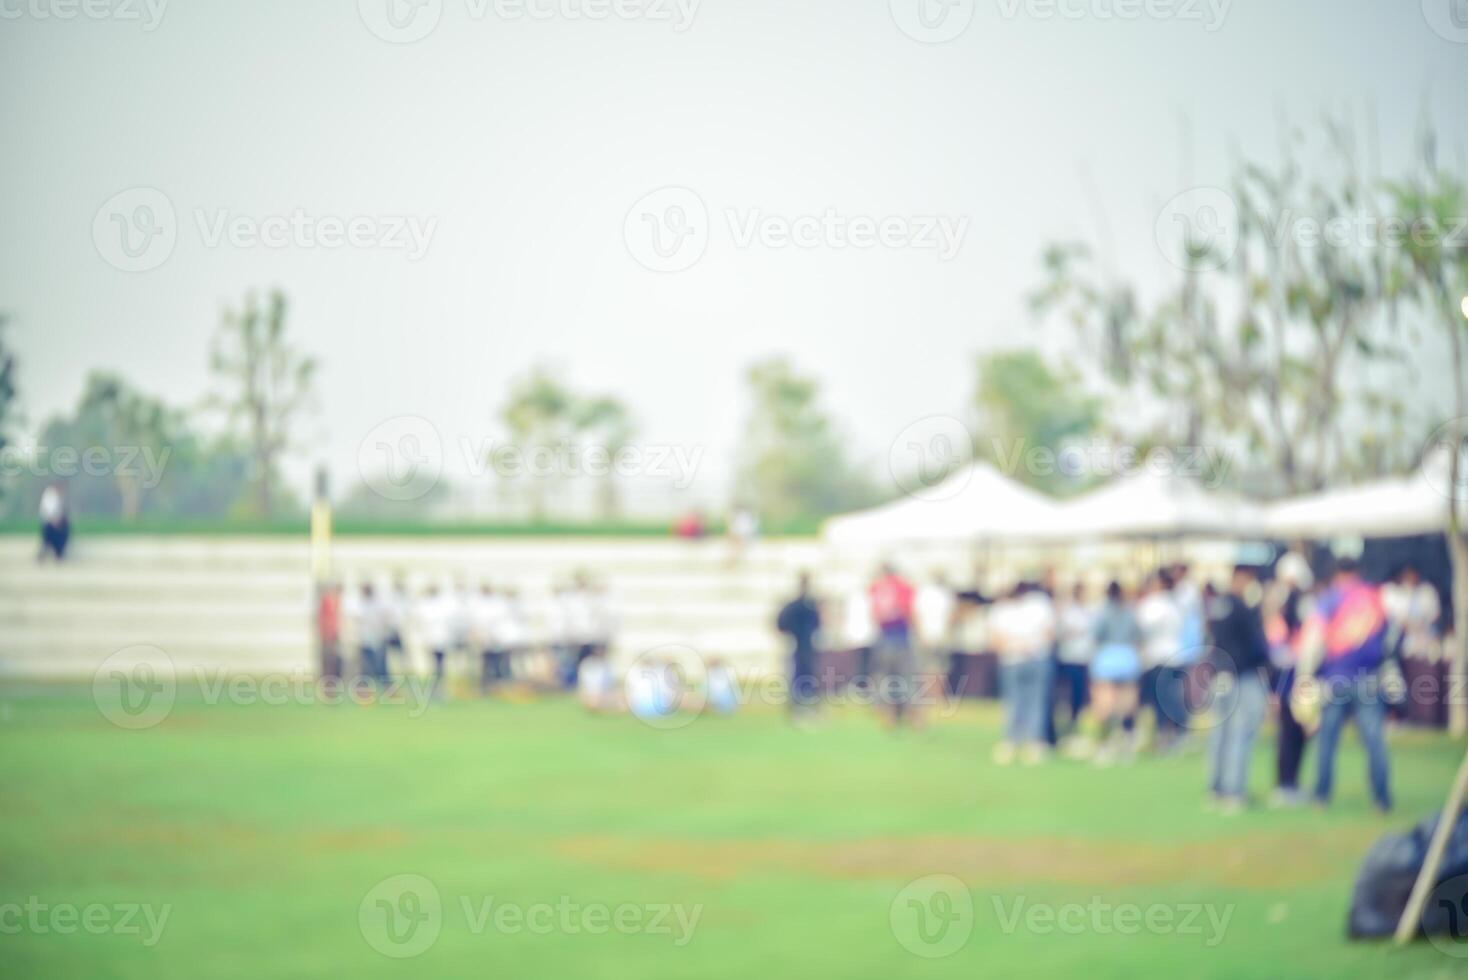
487 628
1105 674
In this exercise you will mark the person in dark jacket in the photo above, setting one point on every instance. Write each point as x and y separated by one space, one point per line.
1240 689
800 619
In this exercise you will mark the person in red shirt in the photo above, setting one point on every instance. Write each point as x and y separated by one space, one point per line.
329 630
892 604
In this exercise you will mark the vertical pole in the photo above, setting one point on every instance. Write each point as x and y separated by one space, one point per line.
1427 877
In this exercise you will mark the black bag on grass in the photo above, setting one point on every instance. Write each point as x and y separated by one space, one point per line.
1388 873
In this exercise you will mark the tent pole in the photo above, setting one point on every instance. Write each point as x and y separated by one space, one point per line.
1427 878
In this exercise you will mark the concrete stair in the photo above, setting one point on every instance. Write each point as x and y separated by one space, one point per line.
243 604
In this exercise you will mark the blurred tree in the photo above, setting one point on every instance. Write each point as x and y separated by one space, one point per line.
1022 404
1290 372
546 417
150 464
609 423
538 413
266 385
793 465
133 428
1433 269
7 387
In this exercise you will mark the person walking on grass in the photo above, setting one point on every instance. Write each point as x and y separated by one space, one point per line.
1349 629
1239 659
1115 670
1023 632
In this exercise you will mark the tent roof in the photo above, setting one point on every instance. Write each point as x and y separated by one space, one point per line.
976 502
1148 504
1417 504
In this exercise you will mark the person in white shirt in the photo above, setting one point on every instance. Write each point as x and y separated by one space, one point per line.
55 526
1412 605
433 620
933 608
581 623
859 629
1160 620
1076 635
514 632
487 611
743 530
1022 627
369 617
558 635
395 606
601 617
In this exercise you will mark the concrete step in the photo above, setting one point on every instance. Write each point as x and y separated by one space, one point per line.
244 604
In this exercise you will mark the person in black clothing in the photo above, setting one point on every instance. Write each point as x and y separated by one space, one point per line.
1240 691
801 619
1293 737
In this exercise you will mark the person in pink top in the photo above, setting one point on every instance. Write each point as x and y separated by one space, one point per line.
892 598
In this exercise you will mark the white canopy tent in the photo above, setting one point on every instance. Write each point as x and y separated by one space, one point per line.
1158 505
1395 507
975 503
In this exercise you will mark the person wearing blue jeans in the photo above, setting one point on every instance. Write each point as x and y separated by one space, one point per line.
1350 619
1240 659
1024 686
1023 630
1361 699
1240 701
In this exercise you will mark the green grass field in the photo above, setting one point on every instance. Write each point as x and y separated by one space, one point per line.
262 830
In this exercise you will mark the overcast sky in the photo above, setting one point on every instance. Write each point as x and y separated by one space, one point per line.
517 150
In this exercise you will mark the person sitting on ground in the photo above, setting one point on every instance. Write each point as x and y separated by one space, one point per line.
595 686
720 690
